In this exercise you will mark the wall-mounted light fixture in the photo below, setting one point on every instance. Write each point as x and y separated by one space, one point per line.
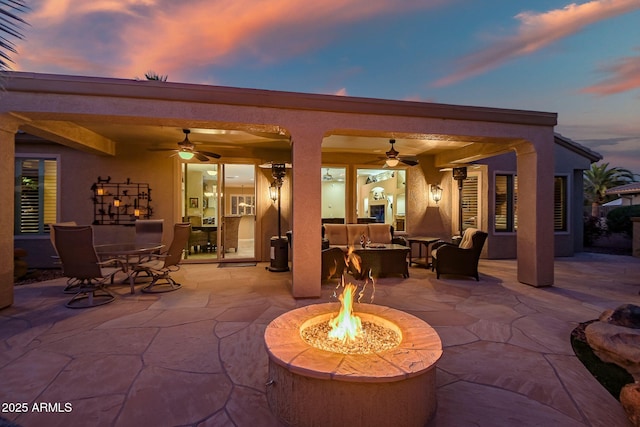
273 191
100 191
116 202
436 193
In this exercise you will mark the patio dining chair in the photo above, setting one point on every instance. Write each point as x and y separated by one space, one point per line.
72 283
80 262
148 231
160 266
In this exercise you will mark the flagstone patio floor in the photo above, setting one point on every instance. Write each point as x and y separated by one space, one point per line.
196 357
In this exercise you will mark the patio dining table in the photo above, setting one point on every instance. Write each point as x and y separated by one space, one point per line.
130 254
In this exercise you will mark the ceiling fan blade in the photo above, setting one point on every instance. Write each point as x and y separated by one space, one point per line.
198 155
409 162
210 154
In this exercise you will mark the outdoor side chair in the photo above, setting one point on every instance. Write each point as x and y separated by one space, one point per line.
81 263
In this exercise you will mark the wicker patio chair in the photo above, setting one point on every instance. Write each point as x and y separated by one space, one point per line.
461 259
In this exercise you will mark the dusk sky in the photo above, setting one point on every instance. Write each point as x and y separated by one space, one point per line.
580 60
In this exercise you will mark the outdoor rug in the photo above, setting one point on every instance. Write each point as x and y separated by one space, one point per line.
236 264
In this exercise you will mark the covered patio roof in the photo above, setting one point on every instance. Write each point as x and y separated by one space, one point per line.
99 115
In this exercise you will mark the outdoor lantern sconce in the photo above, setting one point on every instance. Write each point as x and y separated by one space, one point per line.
116 202
436 193
273 191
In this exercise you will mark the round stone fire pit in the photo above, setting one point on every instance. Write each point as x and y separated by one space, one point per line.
309 386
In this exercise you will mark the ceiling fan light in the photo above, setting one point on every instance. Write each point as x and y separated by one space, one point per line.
392 162
185 155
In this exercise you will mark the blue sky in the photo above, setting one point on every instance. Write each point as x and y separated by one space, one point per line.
581 60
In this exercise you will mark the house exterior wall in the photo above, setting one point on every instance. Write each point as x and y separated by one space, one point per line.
567 163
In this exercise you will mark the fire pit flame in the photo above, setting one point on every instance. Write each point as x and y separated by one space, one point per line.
346 326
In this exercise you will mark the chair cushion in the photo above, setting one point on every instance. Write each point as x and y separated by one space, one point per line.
467 238
336 234
354 232
379 233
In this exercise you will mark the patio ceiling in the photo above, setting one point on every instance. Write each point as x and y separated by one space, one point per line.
239 141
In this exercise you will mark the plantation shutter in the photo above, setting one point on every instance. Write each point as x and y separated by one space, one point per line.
559 204
470 203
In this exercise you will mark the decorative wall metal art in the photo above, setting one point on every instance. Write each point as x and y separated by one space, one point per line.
120 203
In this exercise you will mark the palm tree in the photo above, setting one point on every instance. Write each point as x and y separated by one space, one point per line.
10 24
600 178
152 75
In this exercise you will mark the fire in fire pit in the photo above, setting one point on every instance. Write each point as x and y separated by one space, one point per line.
347 333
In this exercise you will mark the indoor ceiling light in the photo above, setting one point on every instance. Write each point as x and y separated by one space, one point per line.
392 163
185 155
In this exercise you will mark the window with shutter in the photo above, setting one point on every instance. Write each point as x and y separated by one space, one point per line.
470 202
560 203
506 203
36 195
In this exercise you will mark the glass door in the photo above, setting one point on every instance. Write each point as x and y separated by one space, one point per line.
238 208
200 207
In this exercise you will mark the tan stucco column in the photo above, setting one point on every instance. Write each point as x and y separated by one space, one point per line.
306 156
535 211
8 128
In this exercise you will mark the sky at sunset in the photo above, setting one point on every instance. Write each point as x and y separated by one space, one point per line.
580 60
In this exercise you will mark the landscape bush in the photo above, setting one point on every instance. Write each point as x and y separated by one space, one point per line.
592 229
619 219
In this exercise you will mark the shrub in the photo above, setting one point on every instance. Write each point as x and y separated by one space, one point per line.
592 229
619 219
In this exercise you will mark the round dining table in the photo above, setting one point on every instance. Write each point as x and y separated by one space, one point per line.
131 254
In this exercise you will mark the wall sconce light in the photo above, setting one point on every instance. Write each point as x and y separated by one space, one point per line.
273 191
116 202
136 213
436 193
100 191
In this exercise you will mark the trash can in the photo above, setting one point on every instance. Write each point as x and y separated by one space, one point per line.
279 254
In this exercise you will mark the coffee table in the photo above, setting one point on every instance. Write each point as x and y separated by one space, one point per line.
383 260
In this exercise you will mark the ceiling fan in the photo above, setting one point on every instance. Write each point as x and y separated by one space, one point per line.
393 157
187 150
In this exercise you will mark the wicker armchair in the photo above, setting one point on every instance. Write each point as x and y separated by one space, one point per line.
462 259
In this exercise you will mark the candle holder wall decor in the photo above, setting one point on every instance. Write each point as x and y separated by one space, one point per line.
120 203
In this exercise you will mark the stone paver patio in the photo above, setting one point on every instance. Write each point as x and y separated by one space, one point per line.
196 357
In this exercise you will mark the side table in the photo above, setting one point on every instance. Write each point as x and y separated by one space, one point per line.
425 241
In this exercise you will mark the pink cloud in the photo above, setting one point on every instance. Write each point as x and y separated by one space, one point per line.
536 31
176 38
624 75
341 92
